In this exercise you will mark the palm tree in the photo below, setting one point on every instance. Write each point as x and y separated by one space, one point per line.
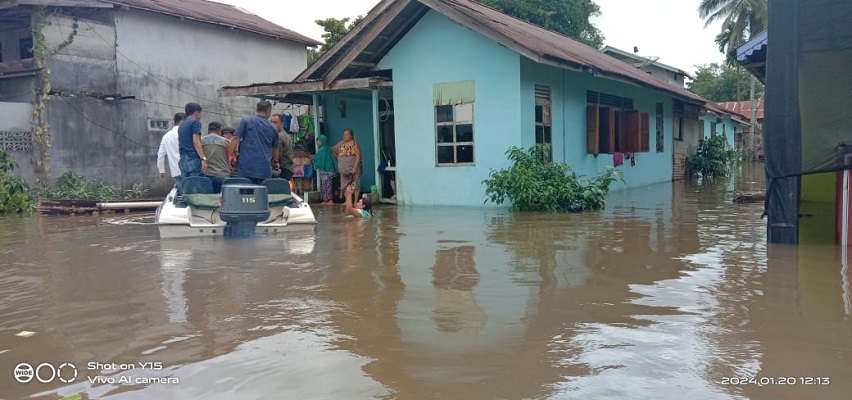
741 19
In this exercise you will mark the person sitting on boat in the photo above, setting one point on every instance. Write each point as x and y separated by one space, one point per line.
228 133
215 148
257 139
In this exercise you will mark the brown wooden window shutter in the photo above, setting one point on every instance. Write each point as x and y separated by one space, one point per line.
645 132
592 129
629 134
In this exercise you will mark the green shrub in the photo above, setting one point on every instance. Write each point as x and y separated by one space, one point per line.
70 186
713 159
534 184
15 196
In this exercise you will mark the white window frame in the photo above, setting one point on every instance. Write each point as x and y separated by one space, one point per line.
455 143
159 125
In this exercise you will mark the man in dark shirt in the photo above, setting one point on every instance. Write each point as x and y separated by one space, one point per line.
257 139
192 160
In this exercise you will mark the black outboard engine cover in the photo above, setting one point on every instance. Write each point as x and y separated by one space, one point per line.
243 207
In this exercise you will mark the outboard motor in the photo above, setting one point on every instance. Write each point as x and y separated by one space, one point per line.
243 207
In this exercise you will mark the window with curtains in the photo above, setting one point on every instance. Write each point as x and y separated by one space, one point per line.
454 143
543 122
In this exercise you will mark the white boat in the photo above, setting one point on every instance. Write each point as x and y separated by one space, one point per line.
200 212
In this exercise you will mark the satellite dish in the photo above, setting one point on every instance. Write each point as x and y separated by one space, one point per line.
648 61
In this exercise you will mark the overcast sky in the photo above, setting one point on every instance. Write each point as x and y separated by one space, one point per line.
669 29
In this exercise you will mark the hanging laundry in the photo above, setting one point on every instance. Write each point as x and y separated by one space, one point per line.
617 158
306 125
632 159
294 124
286 122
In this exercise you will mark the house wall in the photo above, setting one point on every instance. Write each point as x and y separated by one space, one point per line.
724 125
187 61
437 50
359 111
569 122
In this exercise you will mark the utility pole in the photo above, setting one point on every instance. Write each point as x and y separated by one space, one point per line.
753 119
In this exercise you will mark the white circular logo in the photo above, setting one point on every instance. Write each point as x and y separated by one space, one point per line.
68 377
41 367
24 373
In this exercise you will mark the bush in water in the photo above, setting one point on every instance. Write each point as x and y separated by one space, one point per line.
15 197
713 158
70 186
533 183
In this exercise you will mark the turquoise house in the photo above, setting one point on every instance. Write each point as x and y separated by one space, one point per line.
717 121
438 90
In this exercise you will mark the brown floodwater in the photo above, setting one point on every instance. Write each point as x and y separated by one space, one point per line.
670 293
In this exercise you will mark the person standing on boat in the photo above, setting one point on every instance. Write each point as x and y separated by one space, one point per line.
348 155
285 147
169 148
215 148
228 133
257 139
192 160
326 168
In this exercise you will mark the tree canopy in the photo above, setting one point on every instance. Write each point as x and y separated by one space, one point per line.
335 29
723 83
568 17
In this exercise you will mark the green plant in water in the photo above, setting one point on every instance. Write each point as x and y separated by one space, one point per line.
15 196
534 184
713 159
70 186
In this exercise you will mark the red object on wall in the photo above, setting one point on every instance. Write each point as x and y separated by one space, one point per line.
839 212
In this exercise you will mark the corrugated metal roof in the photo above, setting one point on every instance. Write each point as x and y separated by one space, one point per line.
636 57
551 45
218 14
532 41
743 107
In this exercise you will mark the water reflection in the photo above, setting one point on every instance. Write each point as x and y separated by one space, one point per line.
662 295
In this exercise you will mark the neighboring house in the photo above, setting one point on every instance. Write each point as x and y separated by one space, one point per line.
744 108
691 123
807 102
438 90
651 65
716 120
130 67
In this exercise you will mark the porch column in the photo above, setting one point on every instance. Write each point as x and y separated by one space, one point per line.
377 139
315 101
783 146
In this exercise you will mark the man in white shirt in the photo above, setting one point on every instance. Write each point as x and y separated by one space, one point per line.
170 148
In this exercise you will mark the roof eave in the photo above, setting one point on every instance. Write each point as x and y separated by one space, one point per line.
297 38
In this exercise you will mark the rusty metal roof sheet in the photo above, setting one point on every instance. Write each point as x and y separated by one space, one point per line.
743 107
550 45
218 14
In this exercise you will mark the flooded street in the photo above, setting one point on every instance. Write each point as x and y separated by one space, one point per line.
670 293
